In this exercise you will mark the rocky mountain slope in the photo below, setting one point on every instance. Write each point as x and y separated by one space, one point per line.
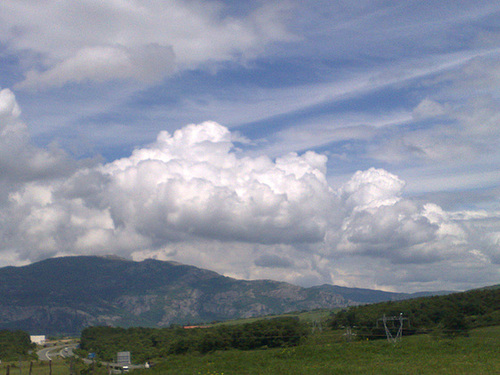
64 295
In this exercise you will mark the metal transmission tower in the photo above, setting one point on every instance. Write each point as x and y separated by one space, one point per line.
393 319
349 335
317 326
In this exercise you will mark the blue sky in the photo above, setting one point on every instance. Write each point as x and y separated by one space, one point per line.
352 143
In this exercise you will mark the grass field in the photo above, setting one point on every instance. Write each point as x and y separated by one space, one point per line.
306 316
328 353
59 367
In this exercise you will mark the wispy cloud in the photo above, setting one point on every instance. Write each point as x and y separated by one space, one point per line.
144 41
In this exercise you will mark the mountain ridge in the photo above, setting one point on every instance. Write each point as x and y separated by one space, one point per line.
64 295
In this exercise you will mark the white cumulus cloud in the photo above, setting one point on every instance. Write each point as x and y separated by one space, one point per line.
192 184
20 160
372 188
189 196
187 185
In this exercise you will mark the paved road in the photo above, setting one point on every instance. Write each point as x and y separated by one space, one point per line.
66 351
51 352
116 368
43 354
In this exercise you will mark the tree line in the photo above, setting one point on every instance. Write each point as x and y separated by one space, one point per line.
14 344
146 344
451 314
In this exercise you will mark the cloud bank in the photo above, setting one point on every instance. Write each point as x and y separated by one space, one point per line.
194 197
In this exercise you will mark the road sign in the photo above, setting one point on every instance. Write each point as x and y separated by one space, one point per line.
123 358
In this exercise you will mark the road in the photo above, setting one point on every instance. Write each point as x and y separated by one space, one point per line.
66 351
51 352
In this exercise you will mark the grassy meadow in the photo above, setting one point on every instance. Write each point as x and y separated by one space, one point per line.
319 315
59 367
329 353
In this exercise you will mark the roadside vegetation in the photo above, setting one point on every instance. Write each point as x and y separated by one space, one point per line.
149 344
56 367
14 344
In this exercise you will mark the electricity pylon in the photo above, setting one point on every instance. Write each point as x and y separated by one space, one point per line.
393 319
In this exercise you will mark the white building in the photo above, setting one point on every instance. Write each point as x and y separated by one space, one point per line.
39 340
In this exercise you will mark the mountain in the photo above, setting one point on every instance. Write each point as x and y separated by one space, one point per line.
65 295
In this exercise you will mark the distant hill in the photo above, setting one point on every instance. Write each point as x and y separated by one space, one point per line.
65 295
453 313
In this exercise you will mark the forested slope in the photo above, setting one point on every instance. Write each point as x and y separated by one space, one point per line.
454 313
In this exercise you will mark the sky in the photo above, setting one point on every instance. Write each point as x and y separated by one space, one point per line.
340 142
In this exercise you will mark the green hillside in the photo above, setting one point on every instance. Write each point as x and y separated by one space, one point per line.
62 296
448 318
453 334
453 313
327 352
